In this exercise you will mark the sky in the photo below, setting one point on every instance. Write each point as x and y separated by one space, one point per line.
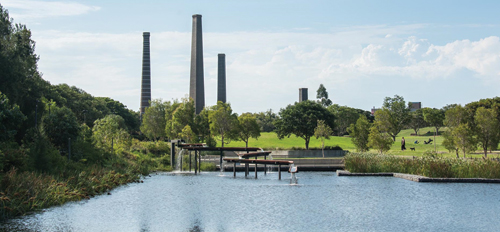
434 52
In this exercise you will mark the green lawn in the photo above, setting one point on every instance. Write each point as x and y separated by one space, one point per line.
269 141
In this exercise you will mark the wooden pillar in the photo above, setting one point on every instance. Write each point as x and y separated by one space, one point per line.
195 162
246 169
199 163
256 168
265 166
221 168
189 161
279 171
234 169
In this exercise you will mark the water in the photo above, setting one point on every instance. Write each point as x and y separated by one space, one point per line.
320 202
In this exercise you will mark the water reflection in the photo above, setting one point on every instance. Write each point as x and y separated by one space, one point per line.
321 202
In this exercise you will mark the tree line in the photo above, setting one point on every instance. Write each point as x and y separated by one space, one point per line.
468 127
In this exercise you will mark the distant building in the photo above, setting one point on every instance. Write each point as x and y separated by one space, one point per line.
303 94
373 110
414 106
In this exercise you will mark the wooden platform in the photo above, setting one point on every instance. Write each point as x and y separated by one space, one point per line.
257 161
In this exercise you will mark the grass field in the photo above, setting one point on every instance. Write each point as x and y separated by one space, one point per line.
269 141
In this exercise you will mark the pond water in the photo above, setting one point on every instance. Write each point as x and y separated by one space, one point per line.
321 201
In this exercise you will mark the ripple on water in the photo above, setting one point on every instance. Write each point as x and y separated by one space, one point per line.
320 202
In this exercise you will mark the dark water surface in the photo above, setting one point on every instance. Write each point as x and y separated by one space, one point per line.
321 202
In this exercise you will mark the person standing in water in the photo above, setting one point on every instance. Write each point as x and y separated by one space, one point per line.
403 144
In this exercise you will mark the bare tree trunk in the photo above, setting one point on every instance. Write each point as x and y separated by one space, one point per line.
323 147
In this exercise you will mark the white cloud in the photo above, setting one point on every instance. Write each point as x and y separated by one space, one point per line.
29 9
265 69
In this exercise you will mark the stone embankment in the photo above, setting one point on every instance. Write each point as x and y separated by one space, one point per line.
418 178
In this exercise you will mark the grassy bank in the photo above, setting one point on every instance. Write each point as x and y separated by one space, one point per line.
270 141
428 165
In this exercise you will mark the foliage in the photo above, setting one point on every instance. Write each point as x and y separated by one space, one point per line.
460 136
416 120
223 122
301 119
60 126
434 117
153 120
359 133
322 95
393 116
345 116
487 127
10 118
266 120
323 132
247 128
430 166
183 116
187 134
109 131
202 127
378 140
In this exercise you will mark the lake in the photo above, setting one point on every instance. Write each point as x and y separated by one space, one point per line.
321 201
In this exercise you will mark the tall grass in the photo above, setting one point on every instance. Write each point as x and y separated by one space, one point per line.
429 165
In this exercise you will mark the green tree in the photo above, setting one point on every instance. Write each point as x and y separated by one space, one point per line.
187 134
487 127
248 127
153 120
202 127
434 117
380 141
416 120
266 120
322 95
359 133
183 116
464 138
109 131
345 116
393 116
301 119
322 131
60 126
223 122
10 119
457 139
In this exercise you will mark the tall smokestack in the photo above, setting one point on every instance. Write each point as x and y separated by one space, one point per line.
221 78
197 86
146 74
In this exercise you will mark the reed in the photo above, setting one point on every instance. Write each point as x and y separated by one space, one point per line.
429 165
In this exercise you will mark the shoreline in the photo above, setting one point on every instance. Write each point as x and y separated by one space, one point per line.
418 178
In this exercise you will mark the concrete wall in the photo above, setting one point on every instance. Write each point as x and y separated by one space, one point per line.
306 153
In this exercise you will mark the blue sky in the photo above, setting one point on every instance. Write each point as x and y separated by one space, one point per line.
435 52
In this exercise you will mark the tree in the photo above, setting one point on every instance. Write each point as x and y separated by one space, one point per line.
59 126
223 122
266 120
153 120
379 140
359 134
434 117
416 120
248 128
110 130
322 95
464 139
393 116
345 117
183 116
322 131
202 127
458 137
187 134
487 127
301 119
10 118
